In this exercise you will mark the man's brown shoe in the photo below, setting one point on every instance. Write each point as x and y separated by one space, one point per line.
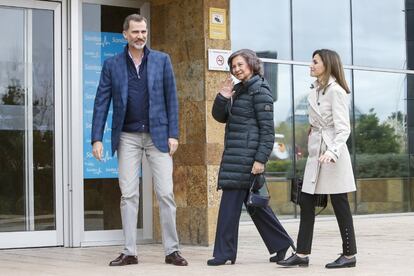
175 259
124 260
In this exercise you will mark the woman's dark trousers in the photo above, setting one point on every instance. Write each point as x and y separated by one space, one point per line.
272 232
343 215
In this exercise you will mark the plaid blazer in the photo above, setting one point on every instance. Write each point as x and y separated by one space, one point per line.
163 103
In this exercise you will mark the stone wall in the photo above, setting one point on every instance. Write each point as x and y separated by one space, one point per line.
180 28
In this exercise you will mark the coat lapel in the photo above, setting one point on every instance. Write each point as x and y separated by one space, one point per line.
123 75
313 95
312 99
150 71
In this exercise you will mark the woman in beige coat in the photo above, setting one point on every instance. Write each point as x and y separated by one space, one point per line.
328 168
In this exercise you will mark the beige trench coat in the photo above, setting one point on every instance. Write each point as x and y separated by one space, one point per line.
330 129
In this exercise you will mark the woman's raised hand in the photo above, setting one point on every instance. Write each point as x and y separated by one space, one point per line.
226 89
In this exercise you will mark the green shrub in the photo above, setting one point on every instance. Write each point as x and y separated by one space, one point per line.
381 165
385 165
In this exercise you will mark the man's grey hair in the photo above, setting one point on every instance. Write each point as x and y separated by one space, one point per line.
133 17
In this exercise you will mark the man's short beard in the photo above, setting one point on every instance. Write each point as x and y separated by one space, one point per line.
139 47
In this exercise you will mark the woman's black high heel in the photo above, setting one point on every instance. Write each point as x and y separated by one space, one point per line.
216 262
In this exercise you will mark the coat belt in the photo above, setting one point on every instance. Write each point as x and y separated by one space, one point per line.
319 129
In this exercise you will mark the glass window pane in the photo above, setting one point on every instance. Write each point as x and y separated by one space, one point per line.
43 120
302 81
321 24
27 163
409 28
280 166
381 141
12 126
266 31
379 33
280 160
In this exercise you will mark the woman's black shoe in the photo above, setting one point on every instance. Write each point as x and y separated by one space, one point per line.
341 262
279 256
215 262
294 260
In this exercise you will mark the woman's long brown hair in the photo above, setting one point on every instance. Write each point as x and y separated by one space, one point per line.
333 67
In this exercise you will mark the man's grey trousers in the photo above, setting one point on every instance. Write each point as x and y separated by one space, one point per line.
131 148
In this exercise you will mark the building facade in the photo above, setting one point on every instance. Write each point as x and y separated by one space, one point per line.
377 54
53 193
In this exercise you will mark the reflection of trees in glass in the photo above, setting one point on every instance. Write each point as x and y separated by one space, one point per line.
380 146
397 120
301 136
12 143
15 93
11 171
284 167
373 136
383 165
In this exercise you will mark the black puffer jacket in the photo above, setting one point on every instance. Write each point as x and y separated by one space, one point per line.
249 134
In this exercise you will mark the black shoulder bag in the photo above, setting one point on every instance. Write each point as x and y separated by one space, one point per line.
296 190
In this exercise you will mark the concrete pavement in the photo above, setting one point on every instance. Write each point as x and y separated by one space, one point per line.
385 244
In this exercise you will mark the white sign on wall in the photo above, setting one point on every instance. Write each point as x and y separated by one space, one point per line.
217 59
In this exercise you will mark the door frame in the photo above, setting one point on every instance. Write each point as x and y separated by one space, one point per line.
48 237
77 236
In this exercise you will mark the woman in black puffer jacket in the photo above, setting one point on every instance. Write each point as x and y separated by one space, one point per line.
247 110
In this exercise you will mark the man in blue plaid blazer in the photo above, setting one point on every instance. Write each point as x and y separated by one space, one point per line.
140 82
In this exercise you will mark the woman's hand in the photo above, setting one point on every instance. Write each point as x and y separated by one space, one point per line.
257 168
325 158
226 89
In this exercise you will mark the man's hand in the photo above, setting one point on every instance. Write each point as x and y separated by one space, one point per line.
173 145
257 168
97 150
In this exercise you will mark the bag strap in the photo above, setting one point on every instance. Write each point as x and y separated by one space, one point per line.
320 211
324 207
254 181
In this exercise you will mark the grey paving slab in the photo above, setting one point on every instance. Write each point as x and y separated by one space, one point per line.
385 244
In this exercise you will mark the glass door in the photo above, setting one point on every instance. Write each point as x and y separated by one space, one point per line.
30 137
102 38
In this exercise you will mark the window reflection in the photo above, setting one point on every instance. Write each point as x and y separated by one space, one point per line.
280 163
43 120
380 126
265 30
381 141
321 24
301 81
379 33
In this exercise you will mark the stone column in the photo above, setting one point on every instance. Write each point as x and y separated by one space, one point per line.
180 28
